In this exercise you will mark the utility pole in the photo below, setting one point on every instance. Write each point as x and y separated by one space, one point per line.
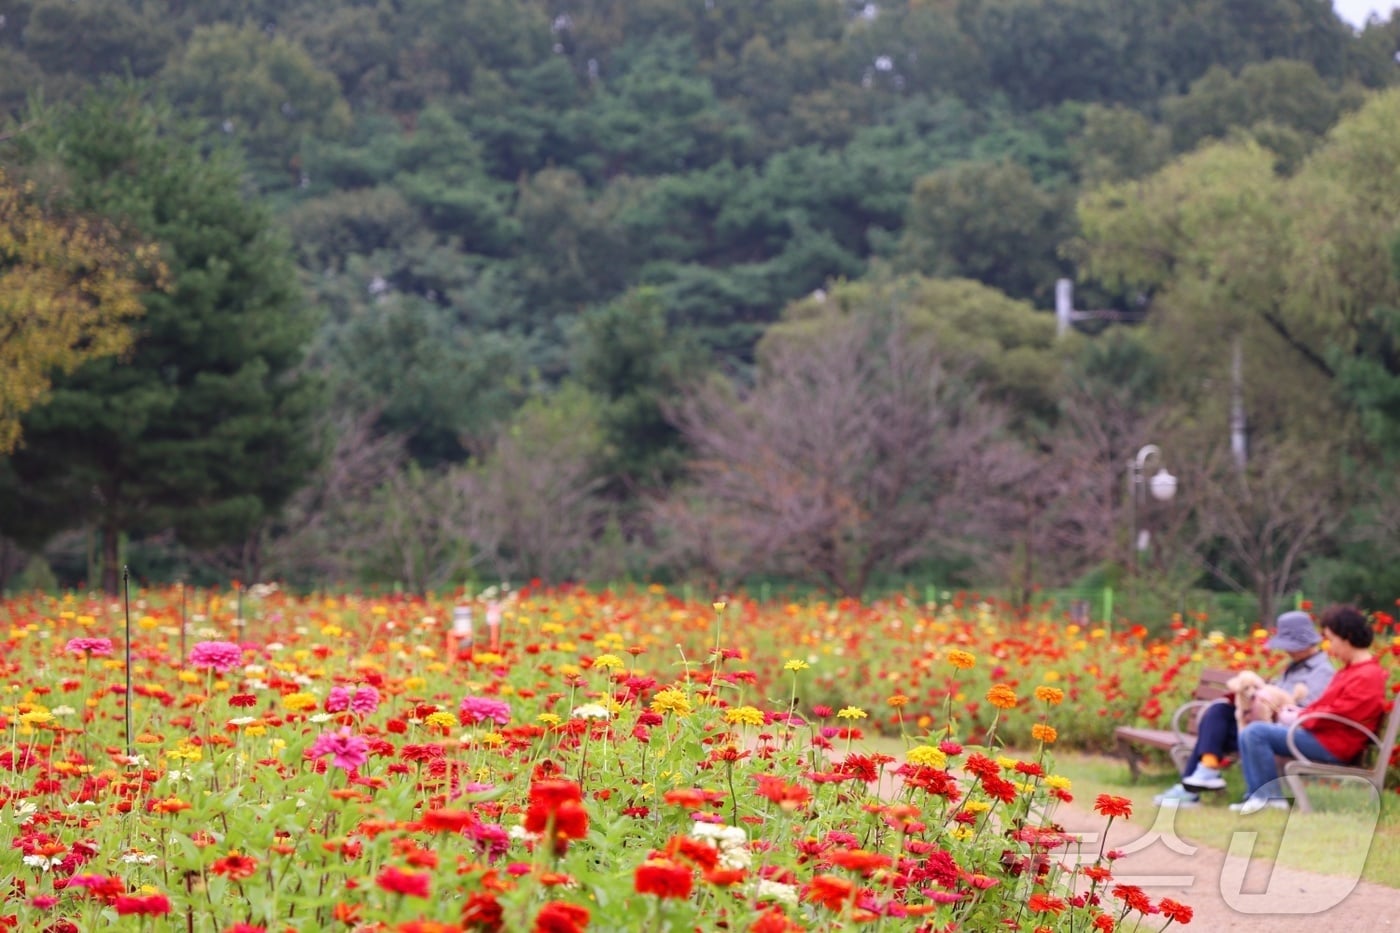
1066 315
1238 436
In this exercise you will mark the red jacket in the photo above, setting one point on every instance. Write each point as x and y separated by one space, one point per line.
1357 692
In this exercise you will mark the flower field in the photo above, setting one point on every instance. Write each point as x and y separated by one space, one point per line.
585 761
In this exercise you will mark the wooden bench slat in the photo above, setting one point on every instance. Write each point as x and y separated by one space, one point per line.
1209 687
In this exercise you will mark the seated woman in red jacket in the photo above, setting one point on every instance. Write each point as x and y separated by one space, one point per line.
1357 693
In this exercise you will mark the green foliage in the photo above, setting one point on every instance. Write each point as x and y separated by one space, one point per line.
202 427
267 94
988 222
1278 93
98 37
627 356
477 193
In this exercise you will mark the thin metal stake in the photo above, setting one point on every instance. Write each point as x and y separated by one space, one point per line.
126 599
184 621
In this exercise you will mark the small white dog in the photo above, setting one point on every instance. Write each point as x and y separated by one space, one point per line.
1256 700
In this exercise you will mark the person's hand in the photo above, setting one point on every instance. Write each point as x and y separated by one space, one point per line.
1289 715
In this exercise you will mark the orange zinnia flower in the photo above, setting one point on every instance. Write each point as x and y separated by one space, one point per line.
1001 696
830 891
858 860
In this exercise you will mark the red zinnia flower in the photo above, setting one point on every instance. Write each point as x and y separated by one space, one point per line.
235 866
1173 910
787 796
152 905
448 821
697 851
664 878
413 884
1109 805
773 920
483 912
556 806
556 917
1045 904
1134 897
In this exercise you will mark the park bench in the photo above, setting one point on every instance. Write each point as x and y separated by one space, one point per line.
1370 766
1177 740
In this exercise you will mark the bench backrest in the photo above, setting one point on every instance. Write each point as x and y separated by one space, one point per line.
1211 686
1381 764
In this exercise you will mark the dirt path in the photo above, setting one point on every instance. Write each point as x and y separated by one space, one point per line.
1231 892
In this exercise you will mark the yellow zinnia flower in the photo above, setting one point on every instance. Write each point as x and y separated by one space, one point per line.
743 716
671 700
926 756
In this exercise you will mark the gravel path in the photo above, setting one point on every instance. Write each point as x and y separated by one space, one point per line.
1232 892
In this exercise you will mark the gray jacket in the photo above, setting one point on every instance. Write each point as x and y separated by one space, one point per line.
1315 671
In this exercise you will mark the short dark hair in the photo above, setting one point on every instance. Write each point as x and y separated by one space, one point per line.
1349 624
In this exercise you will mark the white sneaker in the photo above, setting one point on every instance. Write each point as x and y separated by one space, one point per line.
1255 804
1204 778
1176 794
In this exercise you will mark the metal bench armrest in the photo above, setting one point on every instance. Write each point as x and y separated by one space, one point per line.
1305 716
1193 707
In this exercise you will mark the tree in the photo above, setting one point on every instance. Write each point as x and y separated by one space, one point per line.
266 93
1258 524
628 357
1281 94
988 222
533 498
855 452
91 38
1006 347
203 427
69 289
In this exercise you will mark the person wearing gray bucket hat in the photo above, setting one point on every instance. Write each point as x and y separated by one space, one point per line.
1295 632
1217 732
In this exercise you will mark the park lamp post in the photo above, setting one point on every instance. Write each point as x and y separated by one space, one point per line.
1161 485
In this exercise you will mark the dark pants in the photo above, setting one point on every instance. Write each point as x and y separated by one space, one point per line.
1217 734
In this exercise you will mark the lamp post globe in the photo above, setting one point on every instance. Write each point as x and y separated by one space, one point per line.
1162 485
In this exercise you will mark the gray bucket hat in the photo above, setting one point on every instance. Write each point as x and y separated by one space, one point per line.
1295 632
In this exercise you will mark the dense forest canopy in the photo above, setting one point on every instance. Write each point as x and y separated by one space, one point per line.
575 219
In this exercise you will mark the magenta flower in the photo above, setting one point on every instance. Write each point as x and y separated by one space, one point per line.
338 700
365 701
347 751
219 656
481 709
89 646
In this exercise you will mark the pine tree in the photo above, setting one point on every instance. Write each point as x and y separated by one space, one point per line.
202 427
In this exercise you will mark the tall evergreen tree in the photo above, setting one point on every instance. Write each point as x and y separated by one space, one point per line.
202 427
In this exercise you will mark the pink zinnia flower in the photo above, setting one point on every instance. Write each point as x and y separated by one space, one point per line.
220 656
347 751
481 709
338 700
365 701
89 646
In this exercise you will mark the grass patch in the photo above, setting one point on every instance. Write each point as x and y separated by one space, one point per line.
1328 841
